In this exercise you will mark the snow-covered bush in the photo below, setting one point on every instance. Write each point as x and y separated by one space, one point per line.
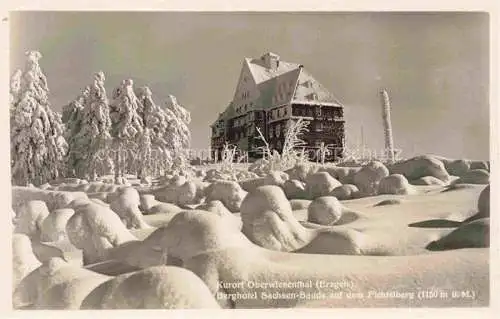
37 143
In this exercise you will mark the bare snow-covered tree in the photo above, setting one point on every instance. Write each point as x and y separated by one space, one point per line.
38 146
126 125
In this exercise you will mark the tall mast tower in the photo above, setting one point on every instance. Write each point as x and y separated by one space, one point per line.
386 119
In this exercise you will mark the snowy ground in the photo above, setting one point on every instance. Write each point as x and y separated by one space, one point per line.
189 243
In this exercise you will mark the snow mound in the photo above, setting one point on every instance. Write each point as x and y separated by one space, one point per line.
53 199
217 207
344 192
457 167
187 194
369 176
325 210
56 285
29 218
320 184
228 192
250 185
479 165
475 176
177 180
95 229
294 189
483 203
103 196
330 241
301 171
475 234
194 232
345 175
23 258
160 287
126 205
54 226
100 202
147 201
395 184
421 166
298 204
428 180
268 220
390 201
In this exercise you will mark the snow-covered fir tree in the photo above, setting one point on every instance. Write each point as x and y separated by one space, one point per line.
91 139
126 126
38 146
178 133
156 120
72 117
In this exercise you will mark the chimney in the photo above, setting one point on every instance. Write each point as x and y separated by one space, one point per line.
271 60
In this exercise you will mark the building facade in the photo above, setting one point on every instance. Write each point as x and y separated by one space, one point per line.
270 94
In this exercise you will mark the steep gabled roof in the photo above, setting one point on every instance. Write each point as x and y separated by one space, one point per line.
261 74
307 85
269 88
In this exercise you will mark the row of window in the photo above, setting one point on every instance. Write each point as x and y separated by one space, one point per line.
241 121
244 108
250 130
277 113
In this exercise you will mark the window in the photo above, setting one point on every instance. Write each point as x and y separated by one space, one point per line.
271 131
278 130
285 112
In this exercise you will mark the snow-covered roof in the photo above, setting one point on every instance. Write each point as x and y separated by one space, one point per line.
261 73
279 83
309 89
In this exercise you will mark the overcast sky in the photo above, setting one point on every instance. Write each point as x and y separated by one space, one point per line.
434 65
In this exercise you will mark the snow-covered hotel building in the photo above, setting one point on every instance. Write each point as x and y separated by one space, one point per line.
270 93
